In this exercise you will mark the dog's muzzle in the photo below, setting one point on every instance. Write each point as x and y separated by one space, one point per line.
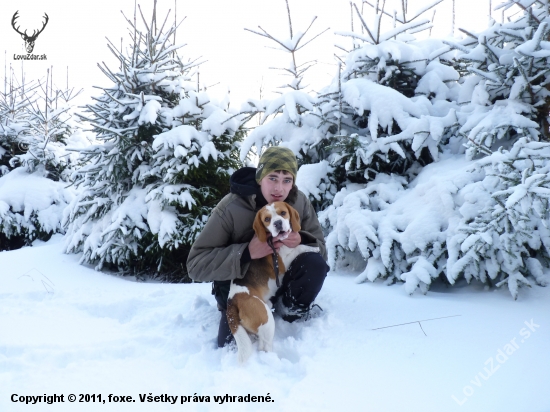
278 225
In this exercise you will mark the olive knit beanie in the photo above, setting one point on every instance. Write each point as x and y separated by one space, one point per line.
277 158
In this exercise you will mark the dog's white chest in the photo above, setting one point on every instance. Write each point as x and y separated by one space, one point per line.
288 254
272 290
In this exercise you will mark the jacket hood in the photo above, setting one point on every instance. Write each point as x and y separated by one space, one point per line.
243 182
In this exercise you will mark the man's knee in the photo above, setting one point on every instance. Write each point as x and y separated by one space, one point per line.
304 279
310 266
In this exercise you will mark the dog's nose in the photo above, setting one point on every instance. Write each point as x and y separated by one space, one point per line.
278 225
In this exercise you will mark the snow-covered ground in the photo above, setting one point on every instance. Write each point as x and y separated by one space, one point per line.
67 329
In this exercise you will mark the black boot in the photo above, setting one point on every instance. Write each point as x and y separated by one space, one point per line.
302 313
301 284
224 333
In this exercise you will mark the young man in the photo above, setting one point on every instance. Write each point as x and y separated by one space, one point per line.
227 244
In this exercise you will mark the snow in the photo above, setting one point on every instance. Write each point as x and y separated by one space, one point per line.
67 329
474 221
149 112
310 178
507 113
385 104
181 135
32 200
401 29
530 47
290 100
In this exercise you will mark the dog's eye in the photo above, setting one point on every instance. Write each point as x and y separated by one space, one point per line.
283 213
267 219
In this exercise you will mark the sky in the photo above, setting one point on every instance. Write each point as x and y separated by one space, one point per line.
74 39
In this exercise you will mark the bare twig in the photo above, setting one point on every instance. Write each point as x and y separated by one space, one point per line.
416 321
364 24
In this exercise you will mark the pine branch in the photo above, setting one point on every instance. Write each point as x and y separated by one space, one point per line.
401 29
421 29
385 12
289 19
421 11
267 35
355 36
107 72
379 17
364 24
144 21
526 10
468 34
309 41
164 23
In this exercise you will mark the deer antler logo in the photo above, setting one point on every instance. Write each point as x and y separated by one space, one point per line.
29 40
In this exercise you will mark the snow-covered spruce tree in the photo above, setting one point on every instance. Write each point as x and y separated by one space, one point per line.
50 126
164 161
288 120
391 106
34 193
483 219
502 238
191 169
13 115
12 125
398 96
506 95
386 112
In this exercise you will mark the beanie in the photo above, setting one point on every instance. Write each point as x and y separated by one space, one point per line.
277 158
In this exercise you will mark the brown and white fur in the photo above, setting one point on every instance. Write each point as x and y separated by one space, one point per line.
249 304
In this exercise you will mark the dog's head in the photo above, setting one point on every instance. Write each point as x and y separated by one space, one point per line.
276 218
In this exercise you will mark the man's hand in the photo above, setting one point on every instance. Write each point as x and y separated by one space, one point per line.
259 249
289 239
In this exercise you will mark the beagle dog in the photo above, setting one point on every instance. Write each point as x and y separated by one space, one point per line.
249 305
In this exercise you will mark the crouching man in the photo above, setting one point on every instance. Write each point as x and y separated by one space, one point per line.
227 244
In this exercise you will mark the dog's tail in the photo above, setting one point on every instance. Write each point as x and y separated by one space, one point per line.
244 344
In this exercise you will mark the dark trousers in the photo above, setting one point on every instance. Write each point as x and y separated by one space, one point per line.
301 285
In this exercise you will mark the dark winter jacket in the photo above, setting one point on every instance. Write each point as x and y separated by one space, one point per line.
217 252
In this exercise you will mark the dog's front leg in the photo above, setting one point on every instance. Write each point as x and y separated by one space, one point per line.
266 332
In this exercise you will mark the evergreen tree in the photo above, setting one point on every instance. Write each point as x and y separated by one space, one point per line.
164 160
13 119
505 72
342 131
289 119
49 127
381 104
508 240
506 124
487 220
33 192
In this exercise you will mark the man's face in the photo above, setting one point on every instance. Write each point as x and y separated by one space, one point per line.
276 186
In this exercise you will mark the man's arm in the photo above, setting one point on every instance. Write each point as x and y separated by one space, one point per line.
212 257
311 232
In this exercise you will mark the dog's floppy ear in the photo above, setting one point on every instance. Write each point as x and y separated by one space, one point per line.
259 227
294 219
